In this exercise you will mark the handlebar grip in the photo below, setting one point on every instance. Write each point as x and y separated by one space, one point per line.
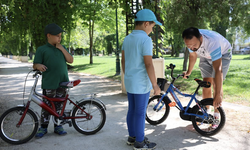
37 72
183 76
171 66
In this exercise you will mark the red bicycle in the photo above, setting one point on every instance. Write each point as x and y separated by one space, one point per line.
20 124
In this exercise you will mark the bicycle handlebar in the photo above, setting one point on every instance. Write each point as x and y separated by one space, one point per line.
204 84
172 66
37 72
181 75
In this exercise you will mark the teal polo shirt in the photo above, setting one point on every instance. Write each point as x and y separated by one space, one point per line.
135 46
55 62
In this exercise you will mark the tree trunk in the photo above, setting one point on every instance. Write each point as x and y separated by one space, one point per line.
91 43
69 35
173 51
186 55
91 34
31 50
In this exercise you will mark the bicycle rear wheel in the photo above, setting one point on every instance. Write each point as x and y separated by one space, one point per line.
209 126
90 125
157 115
12 134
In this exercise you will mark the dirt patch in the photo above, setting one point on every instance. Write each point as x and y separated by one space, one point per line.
238 120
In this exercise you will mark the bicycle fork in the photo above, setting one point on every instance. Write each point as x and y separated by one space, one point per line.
162 104
31 97
24 114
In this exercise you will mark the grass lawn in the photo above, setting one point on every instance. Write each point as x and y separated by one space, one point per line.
102 66
235 87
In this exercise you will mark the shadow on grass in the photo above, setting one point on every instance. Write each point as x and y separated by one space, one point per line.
83 67
247 58
115 77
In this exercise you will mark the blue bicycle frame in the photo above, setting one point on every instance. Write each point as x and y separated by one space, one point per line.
171 90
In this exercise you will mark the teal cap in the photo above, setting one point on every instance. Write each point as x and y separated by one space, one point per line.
146 15
53 29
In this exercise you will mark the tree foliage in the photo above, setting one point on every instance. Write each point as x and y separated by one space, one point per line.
90 24
98 16
209 14
27 19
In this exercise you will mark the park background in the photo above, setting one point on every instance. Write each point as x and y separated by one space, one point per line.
95 30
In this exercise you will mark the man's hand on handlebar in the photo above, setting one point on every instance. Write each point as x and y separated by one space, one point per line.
186 75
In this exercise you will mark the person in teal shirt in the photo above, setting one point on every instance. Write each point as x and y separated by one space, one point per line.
139 76
51 60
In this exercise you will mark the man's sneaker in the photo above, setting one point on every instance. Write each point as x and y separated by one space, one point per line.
41 132
131 140
59 130
144 145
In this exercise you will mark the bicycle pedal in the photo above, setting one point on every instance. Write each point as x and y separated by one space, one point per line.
172 104
70 123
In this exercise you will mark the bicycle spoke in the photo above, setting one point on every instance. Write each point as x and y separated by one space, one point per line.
212 124
156 115
14 134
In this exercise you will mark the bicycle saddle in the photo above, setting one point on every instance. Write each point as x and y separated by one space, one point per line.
70 84
204 84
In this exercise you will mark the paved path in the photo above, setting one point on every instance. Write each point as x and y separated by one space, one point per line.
173 134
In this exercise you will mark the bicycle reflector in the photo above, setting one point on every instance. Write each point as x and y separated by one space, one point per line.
76 82
70 84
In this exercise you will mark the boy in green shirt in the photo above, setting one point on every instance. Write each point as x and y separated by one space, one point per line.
51 59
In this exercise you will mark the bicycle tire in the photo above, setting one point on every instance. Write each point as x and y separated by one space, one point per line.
204 127
154 117
89 126
12 134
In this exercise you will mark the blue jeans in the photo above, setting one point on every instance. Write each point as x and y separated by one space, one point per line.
137 105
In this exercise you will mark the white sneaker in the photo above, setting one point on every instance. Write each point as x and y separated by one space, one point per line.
216 120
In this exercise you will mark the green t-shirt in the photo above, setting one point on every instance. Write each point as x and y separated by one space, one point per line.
55 62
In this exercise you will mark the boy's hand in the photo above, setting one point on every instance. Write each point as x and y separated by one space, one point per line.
59 46
157 90
66 54
41 67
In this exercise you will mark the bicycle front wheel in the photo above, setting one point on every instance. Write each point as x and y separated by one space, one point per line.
11 133
92 124
157 115
208 126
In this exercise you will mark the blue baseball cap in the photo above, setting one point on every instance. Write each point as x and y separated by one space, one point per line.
146 15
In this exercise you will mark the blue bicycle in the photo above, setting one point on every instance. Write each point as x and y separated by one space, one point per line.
202 114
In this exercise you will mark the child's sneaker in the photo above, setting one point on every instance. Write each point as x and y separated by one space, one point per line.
131 140
144 145
41 132
216 120
59 130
